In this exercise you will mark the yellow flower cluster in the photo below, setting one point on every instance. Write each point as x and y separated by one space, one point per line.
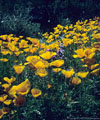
41 56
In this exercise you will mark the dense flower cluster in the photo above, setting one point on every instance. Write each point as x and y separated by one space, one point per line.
82 39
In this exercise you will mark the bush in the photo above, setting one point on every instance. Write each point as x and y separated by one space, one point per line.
18 22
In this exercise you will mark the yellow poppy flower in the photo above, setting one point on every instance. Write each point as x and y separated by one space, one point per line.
35 42
76 81
26 50
6 86
16 39
32 58
12 79
86 52
94 66
13 48
32 49
18 68
89 53
37 62
36 92
56 69
82 74
4 60
57 63
17 53
21 89
23 44
5 52
80 53
69 73
3 97
67 41
49 40
95 72
48 55
42 45
41 72
49 86
7 102
4 37
21 36
41 64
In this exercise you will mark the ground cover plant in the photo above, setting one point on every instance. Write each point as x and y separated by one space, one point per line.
55 77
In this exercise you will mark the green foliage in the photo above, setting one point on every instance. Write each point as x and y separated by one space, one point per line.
19 22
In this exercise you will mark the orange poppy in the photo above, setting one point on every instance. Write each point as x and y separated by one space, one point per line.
18 68
69 73
36 92
76 81
57 63
48 55
21 89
